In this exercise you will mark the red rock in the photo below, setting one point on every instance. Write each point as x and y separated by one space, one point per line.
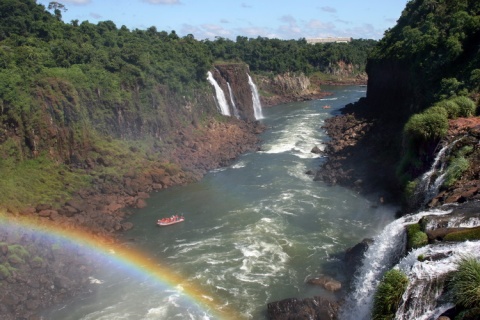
141 203
47 213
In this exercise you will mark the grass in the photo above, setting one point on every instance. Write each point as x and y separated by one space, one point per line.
465 287
389 294
455 169
38 180
416 238
464 235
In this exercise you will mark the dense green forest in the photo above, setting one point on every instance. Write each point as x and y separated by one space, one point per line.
66 87
428 68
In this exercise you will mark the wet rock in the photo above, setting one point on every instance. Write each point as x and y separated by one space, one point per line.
316 150
127 226
140 203
354 256
47 213
326 282
309 308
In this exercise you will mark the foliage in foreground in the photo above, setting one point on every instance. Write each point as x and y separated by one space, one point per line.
389 294
416 237
465 288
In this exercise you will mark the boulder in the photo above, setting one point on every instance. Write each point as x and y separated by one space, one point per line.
354 256
326 282
141 203
309 308
316 150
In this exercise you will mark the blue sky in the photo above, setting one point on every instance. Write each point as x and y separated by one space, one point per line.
292 19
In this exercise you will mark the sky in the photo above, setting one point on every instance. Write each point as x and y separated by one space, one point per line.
209 19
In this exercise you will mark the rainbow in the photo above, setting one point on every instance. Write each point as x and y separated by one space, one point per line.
134 262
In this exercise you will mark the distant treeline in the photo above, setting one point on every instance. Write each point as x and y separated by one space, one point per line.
32 39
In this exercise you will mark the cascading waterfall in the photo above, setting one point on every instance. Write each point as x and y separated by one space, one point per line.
235 110
386 250
221 100
431 180
257 106
424 297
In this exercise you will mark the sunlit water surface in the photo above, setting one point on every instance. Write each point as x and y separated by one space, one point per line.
254 231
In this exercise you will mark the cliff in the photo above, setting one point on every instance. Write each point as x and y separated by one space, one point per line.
286 87
233 79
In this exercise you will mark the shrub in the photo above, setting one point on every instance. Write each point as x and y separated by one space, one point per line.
455 170
416 238
4 272
466 107
426 126
453 109
389 294
19 250
464 284
410 189
438 110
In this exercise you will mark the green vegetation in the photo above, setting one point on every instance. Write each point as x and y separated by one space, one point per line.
464 285
265 55
76 97
427 126
389 294
455 169
464 235
4 272
428 65
416 238
19 250
437 40
38 180
467 107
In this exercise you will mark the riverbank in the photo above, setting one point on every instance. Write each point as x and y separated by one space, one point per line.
353 162
101 211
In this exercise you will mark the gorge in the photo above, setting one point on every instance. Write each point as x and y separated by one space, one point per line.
104 130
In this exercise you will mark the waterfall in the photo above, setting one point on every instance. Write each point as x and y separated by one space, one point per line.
432 180
386 250
221 100
235 110
424 297
257 106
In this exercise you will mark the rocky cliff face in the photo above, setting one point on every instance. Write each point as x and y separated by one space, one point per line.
391 91
237 76
287 87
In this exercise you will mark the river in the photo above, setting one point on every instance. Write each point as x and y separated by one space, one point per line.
254 231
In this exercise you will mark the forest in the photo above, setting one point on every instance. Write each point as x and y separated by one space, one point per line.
94 81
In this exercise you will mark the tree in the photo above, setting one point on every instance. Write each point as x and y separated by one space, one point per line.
57 9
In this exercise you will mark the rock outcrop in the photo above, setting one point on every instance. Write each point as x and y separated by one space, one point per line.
288 87
236 75
309 308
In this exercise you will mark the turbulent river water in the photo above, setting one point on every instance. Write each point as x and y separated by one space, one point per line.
254 231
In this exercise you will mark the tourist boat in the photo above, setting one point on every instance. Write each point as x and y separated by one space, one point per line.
326 107
169 221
